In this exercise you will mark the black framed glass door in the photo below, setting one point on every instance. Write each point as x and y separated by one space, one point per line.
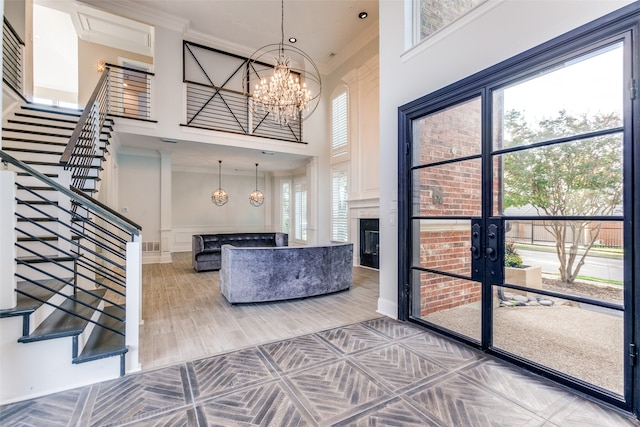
519 230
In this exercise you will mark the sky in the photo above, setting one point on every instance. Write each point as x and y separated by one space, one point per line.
591 84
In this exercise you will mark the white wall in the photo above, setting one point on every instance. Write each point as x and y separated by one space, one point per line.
139 192
505 29
194 213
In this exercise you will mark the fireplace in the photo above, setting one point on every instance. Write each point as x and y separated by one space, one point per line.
369 242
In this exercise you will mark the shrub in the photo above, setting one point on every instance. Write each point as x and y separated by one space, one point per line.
511 256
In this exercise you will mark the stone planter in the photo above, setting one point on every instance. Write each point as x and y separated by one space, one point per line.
530 277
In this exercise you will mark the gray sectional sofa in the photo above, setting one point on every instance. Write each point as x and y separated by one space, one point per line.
206 248
280 273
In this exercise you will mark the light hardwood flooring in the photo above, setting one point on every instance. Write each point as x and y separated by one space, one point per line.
187 318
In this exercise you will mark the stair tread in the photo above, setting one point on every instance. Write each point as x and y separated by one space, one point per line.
54 110
32 162
33 141
39 260
28 123
48 175
61 324
103 342
38 219
55 119
32 150
27 305
32 132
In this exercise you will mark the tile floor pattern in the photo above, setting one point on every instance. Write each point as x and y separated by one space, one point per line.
377 372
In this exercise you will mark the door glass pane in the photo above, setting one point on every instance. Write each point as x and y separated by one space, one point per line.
580 95
581 340
448 302
582 258
452 189
448 134
579 178
443 245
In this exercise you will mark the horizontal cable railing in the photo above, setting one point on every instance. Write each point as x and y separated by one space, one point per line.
226 107
12 57
66 227
129 92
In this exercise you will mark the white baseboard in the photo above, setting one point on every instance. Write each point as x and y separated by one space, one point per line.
388 308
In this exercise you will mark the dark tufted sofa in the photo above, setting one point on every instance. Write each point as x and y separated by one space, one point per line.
206 253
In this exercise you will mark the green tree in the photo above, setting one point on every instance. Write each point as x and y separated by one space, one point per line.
580 178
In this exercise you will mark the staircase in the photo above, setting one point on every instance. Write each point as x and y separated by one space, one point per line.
71 254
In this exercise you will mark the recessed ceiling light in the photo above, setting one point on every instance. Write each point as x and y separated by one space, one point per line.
363 15
169 140
269 153
292 39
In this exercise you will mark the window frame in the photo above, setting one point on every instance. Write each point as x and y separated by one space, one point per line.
300 219
343 170
286 210
340 153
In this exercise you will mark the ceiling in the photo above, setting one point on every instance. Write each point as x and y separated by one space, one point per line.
323 28
329 31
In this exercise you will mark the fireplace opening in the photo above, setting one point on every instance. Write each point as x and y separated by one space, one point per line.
369 242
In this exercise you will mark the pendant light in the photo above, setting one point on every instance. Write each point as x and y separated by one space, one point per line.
219 197
256 198
287 91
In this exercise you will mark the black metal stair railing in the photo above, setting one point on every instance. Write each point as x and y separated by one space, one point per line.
129 92
12 57
92 235
120 92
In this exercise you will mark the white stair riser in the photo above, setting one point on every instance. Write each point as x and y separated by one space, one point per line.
44 367
39 211
38 316
46 270
40 195
47 120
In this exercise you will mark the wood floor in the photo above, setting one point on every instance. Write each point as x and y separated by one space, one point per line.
187 318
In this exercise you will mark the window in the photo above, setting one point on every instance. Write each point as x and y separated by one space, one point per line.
285 214
339 125
433 15
339 213
300 189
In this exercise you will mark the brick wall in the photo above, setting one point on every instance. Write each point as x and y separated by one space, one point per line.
451 190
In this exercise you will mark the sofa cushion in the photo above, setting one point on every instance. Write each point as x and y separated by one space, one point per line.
206 247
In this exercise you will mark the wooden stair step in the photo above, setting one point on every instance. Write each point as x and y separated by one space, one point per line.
56 119
32 151
37 202
28 123
48 175
62 324
53 110
26 305
103 342
32 132
43 238
34 141
37 220
40 260
36 163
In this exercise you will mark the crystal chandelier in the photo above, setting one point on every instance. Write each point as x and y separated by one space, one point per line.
256 198
219 197
290 91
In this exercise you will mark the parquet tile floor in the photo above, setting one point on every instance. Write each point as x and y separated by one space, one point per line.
371 372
